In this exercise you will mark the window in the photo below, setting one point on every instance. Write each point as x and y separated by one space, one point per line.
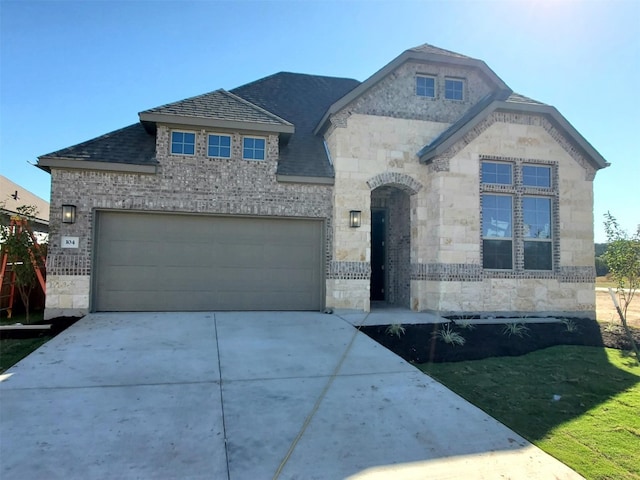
253 148
536 214
497 240
453 89
517 227
425 86
219 146
535 176
183 143
499 173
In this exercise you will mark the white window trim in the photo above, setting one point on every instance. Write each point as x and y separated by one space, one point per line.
512 165
455 79
195 142
548 167
266 146
220 135
435 85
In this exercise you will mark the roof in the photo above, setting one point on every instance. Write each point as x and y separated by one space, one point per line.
430 49
216 109
302 100
513 103
132 147
14 196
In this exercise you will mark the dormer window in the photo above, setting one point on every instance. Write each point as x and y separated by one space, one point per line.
425 86
253 148
453 89
183 143
219 146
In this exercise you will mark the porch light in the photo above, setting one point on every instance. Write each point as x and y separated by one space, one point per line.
68 214
355 218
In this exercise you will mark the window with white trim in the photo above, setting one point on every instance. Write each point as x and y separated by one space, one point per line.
183 143
536 218
454 89
497 231
253 148
536 176
219 146
425 86
517 216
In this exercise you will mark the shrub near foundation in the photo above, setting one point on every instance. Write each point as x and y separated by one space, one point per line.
422 343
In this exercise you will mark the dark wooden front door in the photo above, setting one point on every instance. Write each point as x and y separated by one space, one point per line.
378 254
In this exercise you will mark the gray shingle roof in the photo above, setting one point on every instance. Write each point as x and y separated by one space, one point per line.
132 145
220 105
302 100
426 48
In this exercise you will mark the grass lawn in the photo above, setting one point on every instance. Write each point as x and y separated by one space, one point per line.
594 425
12 350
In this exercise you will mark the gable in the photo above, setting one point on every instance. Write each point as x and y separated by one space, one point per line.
516 110
395 95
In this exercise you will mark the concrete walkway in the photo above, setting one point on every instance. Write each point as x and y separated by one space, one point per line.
242 396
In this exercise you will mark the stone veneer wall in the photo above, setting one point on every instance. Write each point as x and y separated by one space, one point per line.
446 269
193 184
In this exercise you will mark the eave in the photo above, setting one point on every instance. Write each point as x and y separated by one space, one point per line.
46 163
456 132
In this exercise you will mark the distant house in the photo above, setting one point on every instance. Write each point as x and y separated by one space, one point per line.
13 196
430 186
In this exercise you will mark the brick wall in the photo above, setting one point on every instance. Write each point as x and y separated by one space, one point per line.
194 184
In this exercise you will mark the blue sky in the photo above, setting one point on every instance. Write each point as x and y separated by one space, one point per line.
73 70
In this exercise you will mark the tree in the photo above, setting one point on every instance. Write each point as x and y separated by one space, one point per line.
22 253
623 259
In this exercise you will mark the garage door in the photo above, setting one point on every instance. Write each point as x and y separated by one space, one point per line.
164 262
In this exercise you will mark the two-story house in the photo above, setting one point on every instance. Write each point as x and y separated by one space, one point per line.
430 185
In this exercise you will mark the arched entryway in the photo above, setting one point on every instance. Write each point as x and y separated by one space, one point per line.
390 247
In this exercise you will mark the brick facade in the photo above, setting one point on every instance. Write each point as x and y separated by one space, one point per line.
182 184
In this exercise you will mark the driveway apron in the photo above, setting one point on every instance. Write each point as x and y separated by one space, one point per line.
251 395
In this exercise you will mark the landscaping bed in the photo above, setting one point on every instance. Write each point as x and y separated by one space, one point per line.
57 325
422 343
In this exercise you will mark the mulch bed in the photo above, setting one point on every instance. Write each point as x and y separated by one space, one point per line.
419 344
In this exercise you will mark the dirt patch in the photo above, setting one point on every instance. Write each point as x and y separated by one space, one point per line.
421 344
606 312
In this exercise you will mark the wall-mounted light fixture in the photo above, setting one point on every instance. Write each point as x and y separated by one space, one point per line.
68 214
355 218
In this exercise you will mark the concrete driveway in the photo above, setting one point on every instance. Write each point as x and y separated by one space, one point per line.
242 396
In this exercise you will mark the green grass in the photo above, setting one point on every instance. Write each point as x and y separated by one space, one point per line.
12 350
594 427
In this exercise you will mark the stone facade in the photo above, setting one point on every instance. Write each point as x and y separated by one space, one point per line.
374 144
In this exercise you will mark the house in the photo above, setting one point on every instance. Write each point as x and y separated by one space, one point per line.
13 196
430 186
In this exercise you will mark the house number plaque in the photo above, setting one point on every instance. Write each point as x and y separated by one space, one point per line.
70 242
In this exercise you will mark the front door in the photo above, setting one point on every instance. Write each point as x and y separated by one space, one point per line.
378 254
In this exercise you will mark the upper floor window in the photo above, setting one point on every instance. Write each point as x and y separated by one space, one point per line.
425 86
536 176
453 89
219 146
498 173
183 143
253 148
